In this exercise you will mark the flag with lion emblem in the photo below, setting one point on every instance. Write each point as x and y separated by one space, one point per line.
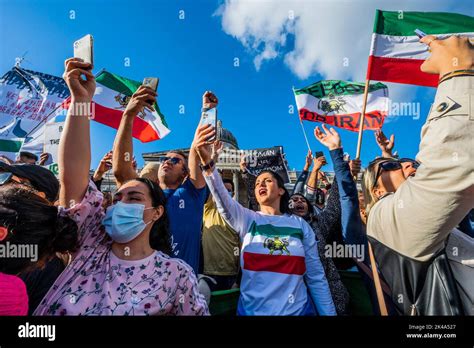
111 98
339 103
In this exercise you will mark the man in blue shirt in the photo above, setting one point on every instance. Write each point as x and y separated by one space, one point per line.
185 203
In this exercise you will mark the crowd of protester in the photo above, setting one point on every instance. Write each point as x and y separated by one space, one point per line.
173 233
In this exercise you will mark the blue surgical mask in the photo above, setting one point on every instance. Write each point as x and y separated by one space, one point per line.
123 222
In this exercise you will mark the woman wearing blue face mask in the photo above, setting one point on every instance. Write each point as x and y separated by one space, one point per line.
122 266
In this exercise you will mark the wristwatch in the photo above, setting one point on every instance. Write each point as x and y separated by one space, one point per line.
207 166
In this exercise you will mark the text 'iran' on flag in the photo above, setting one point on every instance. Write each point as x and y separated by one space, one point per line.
339 103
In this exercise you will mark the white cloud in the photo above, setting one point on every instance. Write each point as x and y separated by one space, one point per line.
326 33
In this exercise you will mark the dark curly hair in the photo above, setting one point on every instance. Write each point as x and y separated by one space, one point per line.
33 220
160 237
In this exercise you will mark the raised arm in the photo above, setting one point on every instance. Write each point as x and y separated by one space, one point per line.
423 211
313 178
352 231
330 216
385 145
74 156
301 181
209 101
122 159
238 217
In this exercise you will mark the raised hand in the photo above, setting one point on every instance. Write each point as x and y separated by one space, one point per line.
201 142
217 148
105 163
385 144
144 97
209 100
319 162
81 90
309 161
328 137
43 158
355 166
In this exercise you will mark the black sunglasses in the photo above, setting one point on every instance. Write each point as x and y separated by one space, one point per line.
387 166
413 162
172 160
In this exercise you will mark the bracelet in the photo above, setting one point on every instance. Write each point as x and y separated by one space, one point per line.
207 166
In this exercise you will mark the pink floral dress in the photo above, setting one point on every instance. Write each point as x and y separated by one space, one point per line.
99 283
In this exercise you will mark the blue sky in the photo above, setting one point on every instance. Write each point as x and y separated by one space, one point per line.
197 53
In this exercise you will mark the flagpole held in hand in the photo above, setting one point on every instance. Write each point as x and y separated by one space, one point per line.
362 118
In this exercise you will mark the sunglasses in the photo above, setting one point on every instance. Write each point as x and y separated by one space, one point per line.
172 160
413 162
387 166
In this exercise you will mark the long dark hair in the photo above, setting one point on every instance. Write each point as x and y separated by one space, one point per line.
160 237
33 220
285 199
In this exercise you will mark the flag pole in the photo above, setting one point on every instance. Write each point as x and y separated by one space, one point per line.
305 136
301 123
362 118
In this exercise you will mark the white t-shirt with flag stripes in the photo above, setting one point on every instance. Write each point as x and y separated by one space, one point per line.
279 260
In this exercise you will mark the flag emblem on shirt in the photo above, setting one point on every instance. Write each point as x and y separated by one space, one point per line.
275 249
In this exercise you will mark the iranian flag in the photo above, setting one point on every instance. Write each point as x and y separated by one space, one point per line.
339 103
110 100
396 53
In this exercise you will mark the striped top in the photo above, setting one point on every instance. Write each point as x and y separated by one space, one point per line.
279 259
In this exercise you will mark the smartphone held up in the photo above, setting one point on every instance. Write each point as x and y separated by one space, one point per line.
151 82
209 117
84 49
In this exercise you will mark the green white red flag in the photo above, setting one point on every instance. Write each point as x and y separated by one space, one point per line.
111 97
339 103
396 53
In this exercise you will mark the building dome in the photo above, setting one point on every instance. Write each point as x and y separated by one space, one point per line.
226 136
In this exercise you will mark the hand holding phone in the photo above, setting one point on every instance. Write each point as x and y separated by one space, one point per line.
151 82
319 154
83 48
420 34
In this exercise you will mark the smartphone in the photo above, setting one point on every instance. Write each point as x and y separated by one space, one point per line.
420 33
151 82
209 117
83 48
318 154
